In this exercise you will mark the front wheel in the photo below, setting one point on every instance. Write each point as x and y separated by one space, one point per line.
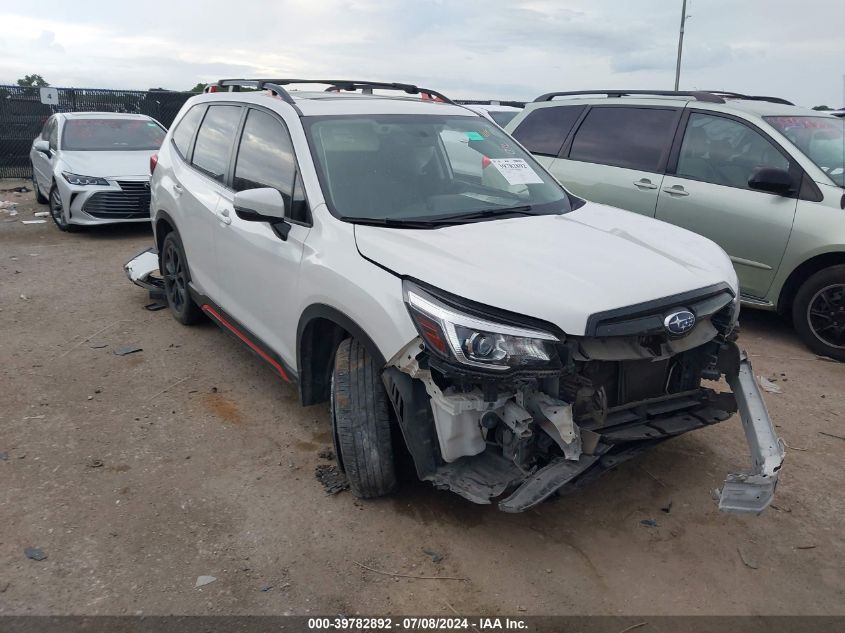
39 197
57 211
819 312
361 422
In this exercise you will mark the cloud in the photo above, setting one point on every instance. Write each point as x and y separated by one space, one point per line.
47 40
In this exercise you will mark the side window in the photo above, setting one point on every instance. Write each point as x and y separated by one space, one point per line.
634 138
724 152
53 135
45 130
184 132
265 156
544 130
214 140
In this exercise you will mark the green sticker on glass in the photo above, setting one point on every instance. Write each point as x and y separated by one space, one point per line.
151 125
474 136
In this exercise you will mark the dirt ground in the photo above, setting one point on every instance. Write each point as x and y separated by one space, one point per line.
136 474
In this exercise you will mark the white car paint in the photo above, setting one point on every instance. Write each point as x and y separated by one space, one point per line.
113 166
487 111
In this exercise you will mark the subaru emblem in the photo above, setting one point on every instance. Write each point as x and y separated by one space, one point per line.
679 323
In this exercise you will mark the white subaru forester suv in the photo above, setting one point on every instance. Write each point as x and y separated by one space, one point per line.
515 338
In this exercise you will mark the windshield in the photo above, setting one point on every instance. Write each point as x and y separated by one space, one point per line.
822 139
111 135
424 168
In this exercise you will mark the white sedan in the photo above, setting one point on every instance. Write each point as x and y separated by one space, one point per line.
94 167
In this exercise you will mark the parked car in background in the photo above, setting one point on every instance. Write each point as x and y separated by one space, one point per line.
839 113
517 338
94 167
500 114
759 176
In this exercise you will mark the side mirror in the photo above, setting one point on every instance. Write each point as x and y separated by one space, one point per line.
771 180
40 145
263 205
260 205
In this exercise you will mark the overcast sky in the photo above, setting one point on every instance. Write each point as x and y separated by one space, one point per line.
465 48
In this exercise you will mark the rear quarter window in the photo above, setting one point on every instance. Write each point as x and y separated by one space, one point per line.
215 138
634 138
183 135
544 130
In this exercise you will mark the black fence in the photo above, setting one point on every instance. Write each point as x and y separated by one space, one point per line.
23 113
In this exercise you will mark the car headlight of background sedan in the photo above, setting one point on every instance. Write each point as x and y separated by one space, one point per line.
76 179
475 341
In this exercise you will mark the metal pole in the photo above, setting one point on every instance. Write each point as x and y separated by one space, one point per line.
680 45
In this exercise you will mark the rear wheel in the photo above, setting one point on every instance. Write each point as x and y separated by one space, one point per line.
174 269
361 422
818 312
39 197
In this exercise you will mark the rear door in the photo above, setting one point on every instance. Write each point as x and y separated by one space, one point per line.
707 192
617 155
198 187
258 269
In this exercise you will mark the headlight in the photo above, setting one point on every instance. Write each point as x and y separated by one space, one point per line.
76 179
475 341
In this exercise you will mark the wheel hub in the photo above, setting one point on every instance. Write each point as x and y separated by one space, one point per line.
826 315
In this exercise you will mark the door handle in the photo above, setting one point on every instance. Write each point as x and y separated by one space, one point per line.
676 190
644 183
177 189
225 217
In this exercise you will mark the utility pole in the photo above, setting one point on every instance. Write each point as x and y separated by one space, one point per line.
680 45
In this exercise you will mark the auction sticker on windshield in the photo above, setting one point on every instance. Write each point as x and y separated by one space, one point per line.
516 171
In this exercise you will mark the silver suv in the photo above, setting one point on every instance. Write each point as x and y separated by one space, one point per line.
759 176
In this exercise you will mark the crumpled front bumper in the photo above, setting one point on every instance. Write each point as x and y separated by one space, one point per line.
751 491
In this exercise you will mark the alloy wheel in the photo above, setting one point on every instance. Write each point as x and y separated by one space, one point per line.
826 315
175 283
56 208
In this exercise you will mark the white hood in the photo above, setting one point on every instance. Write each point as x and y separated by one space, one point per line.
108 164
559 268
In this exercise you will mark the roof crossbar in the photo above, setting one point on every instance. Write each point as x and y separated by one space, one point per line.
278 86
696 94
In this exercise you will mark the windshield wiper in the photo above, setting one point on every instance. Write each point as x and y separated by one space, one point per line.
426 222
411 223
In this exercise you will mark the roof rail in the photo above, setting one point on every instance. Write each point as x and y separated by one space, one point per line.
278 86
695 94
736 95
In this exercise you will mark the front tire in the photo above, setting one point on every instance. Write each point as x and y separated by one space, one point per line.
174 269
39 197
57 211
361 422
818 312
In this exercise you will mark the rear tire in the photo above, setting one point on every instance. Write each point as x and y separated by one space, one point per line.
361 422
174 270
39 197
818 312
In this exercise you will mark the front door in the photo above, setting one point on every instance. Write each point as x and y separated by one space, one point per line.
709 194
258 269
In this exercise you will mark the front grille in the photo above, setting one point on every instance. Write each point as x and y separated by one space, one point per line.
132 203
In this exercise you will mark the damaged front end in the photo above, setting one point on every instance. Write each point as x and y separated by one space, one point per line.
490 404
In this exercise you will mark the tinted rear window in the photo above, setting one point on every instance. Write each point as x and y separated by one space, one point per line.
111 135
544 130
636 138
502 117
184 132
214 140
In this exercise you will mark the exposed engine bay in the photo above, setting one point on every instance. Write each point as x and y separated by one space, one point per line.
534 432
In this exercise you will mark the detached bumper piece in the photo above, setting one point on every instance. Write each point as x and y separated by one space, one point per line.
752 491
140 271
